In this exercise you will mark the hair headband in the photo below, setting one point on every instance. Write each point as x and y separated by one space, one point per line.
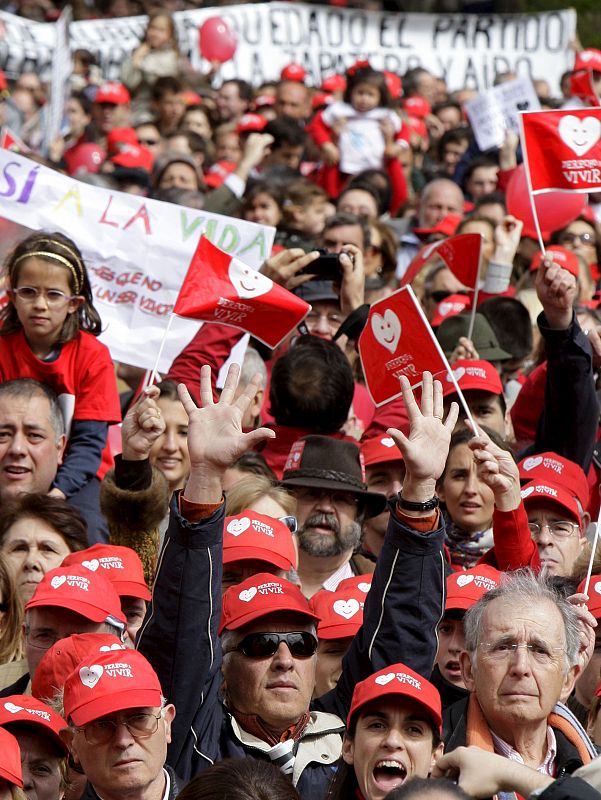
54 257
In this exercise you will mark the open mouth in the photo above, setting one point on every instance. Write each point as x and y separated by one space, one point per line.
388 774
453 668
16 471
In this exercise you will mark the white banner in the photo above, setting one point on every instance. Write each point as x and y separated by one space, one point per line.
467 50
137 251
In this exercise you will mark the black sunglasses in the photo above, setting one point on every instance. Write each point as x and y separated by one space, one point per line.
263 645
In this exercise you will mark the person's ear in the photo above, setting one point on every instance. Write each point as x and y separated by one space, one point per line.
436 754
348 751
66 735
75 303
62 444
467 671
168 715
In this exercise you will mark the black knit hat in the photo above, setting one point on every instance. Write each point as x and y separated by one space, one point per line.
322 462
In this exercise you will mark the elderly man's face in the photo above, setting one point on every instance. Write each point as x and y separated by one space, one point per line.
439 200
277 688
125 765
30 450
517 690
327 521
557 551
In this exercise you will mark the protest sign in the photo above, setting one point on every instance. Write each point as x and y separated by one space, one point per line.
496 111
61 74
137 250
460 253
222 288
562 150
397 340
464 49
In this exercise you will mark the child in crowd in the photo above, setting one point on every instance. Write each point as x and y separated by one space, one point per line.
262 203
48 333
355 134
304 213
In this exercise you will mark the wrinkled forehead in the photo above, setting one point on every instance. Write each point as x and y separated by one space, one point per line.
523 620
25 410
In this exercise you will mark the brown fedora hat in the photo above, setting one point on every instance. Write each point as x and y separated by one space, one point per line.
324 463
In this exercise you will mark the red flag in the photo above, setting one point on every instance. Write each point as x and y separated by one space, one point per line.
563 149
221 288
396 341
581 85
10 141
460 253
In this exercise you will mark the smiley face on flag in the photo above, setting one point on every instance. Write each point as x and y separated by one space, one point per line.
247 282
387 329
579 134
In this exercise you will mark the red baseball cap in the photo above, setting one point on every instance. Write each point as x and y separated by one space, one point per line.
10 766
449 307
134 156
594 594
119 138
121 565
447 225
397 681
293 72
588 59
61 659
264 100
250 535
557 469
25 709
417 107
108 682
218 172
467 587
562 257
112 92
380 450
472 374
417 126
340 613
84 157
551 493
258 596
360 582
76 588
321 99
251 123
334 83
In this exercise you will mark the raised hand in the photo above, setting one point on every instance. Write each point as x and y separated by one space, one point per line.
285 267
556 289
142 426
426 448
352 286
497 468
215 435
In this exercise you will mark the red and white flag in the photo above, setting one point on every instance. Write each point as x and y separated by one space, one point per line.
460 253
397 340
562 149
10 141
581 85
221 288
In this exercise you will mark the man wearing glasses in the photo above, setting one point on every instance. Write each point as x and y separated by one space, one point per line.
250 693
119 727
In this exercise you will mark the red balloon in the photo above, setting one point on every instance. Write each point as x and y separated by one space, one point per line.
555 210
216 40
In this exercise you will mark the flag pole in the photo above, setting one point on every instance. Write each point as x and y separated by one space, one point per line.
445 361
529 181
470 330
154 372
593 551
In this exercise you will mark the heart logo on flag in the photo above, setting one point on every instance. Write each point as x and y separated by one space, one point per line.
386 329
532 462
106 648
464 580
364 587
91 565
346 608
247 282
387 441
238 526
382 680
57 581
247 595
13 708
579 134
90 676
598 587
527 492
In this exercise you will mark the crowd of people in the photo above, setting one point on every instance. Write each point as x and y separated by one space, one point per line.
276 589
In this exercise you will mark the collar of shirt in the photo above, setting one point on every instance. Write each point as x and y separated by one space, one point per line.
547 767
343 572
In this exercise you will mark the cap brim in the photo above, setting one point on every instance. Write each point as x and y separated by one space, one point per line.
132 589
467 384
39 726
459 603
237 553
86 610
109 703
342 631
374 502
257 613
10 777
436 718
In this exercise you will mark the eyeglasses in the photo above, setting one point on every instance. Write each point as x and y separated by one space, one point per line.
562 529
290 522
264 645
53 297
43 640
332 318
310 494
140 725
583 238
541 652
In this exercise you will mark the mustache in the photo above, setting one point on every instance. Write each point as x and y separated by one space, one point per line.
323 520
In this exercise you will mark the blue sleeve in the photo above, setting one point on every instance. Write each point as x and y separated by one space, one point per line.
83 455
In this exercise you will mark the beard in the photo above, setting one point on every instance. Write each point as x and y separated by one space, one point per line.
339 541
